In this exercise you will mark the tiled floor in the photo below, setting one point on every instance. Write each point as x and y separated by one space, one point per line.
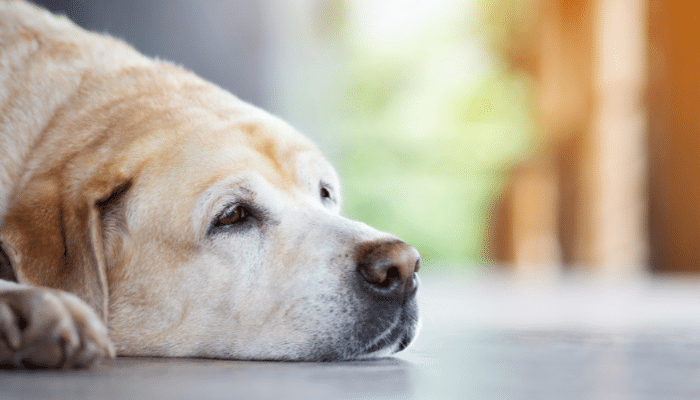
483 337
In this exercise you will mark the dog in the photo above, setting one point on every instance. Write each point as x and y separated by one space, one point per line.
147 212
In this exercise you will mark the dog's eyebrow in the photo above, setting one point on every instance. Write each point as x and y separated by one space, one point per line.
239 194
242 191
218 195
239 187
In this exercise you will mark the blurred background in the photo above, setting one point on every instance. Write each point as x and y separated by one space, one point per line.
535 136
542 155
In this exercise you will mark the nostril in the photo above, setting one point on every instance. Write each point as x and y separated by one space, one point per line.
391 275
387 268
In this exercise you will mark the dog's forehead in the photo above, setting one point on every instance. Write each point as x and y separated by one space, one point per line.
211 153
271 148
276 146
197 170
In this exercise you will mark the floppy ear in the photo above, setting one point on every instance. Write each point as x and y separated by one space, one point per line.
53 237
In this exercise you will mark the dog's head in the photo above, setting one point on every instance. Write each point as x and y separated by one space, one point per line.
199 225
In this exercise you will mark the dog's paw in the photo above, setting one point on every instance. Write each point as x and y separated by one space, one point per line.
44 328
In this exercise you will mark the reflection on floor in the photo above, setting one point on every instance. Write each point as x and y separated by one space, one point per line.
494 336
484 336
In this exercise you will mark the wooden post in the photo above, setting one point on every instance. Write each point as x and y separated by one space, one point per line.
618 134
674 142
584 202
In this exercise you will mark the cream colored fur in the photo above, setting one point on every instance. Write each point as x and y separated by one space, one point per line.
86 118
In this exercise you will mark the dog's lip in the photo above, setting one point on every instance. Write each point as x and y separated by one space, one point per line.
386 338
403 330
405 341
398 335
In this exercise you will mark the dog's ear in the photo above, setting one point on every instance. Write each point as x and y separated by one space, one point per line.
53 236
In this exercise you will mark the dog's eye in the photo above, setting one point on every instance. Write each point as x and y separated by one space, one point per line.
325 194
234 216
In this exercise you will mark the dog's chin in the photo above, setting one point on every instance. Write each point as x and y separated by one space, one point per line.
397 336
372 339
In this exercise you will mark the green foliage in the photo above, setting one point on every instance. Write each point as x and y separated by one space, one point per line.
428 133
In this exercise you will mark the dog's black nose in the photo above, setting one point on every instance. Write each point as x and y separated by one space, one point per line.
388 268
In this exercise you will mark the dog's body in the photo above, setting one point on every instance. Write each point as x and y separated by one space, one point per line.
189 222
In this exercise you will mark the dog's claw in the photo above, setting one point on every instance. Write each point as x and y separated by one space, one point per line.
44 328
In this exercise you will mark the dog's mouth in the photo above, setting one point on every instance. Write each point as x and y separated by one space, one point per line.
397 335
382 327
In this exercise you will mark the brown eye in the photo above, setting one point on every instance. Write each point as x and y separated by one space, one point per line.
235 216
325 194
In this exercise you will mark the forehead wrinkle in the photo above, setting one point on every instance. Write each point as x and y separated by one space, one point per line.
277 151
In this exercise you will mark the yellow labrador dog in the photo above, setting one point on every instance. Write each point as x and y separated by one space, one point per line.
144 211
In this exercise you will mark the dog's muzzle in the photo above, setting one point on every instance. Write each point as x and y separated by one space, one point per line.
387 281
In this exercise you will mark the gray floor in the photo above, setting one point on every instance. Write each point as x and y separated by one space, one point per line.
483 337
